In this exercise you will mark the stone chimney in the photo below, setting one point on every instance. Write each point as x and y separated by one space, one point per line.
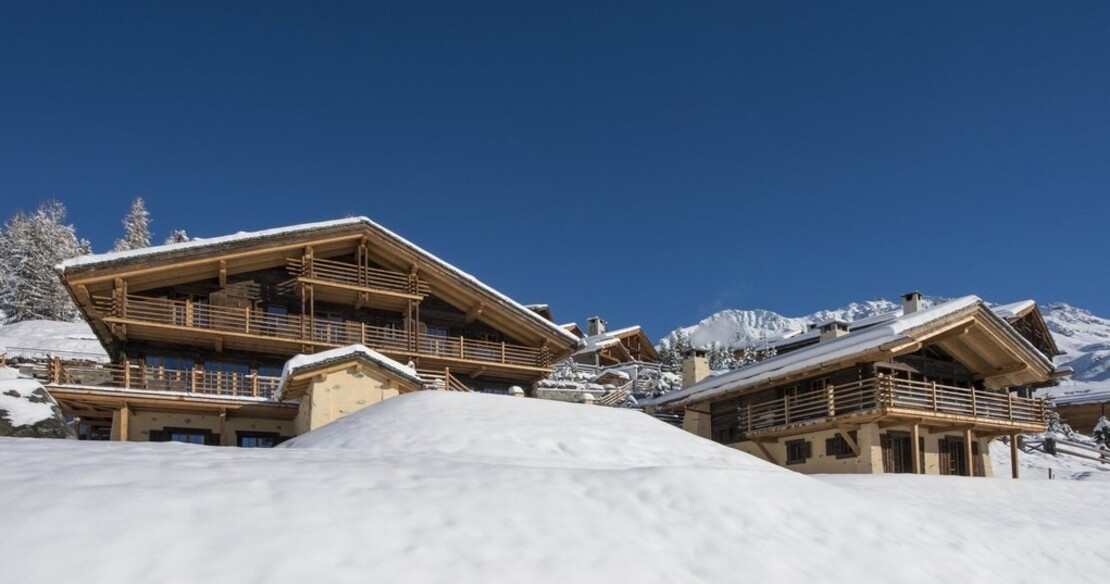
595 326
911 302
695 367
833 329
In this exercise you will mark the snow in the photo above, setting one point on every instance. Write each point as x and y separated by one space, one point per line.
37 339
452 487
1009 311
17 408
302 362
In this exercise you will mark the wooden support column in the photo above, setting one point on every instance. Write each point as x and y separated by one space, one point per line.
915 449
1014 455
766 453
223 427
223 274
967 453
124 422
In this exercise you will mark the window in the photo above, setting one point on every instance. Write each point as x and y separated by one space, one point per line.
837 446
898 452
186 435
257 439
797 451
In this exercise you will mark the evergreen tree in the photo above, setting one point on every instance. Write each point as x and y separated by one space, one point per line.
1101 433
178 236
136 228
671 353
721 357
30 246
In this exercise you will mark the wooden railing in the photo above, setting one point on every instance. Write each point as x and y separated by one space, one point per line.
140 377
870 394
352 275
330 332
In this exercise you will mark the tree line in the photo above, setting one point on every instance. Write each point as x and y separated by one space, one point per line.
32 243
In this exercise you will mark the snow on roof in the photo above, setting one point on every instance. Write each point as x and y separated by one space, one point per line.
624 331
814 355
301 363
1009 311
107 258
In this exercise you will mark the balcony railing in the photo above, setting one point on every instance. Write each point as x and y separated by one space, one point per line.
336 333
361 277
139 377
888 393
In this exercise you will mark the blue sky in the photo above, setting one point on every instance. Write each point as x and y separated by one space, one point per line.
648 162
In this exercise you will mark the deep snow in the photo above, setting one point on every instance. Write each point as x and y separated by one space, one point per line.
453 487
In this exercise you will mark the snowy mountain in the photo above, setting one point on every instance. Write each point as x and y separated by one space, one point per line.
1083 336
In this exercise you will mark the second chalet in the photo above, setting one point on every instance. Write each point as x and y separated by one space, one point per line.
199 332
923 390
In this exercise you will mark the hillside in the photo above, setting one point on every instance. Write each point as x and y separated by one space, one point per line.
448 487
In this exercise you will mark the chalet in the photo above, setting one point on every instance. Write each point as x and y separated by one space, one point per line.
603 347
199 333
608 367
923 390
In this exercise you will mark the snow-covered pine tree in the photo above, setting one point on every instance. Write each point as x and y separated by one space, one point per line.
1101 433
178 236
721 357
30 246
671 353
136 227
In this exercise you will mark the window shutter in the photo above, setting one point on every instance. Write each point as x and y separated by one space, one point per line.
808 449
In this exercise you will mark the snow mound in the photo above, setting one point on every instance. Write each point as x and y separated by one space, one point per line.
484 427
16 406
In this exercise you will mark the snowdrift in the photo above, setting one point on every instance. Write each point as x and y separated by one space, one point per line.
443 487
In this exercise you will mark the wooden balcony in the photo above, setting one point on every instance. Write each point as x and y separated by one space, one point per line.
193 381
250 330
893 399
359 286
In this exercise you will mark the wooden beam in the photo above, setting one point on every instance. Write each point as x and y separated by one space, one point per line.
766 453
223 274
1014 455
915 450
848 439
474 312
967 453
223 427
124 422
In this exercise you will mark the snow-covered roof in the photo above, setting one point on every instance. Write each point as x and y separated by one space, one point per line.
302 363
105 259
815 355
624 331
1009 311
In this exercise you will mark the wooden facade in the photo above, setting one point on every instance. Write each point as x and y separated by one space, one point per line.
217 319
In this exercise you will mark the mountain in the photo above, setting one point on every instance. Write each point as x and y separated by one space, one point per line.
1083 336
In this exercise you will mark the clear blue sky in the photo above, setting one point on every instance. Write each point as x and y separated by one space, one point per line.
648 162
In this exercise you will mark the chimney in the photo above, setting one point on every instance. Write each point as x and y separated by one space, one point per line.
911 302
595 326
695 367
833 329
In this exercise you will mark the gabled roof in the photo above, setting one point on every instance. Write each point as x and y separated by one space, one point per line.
302 365
101 267
896 336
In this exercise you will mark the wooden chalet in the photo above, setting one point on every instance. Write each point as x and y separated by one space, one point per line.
923 391
198 332
603 348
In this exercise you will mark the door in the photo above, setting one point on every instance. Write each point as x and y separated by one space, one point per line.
953 457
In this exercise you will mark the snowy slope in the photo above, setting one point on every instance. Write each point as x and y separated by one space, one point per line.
448 487
35 339
1085 340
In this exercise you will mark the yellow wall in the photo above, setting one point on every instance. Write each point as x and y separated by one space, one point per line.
870 459
341 393
141 422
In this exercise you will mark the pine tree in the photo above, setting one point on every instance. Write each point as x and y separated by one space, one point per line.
177 236
671 353
136 228
30 246
721 357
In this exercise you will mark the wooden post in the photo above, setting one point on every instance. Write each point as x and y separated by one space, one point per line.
967 453
254 384
124 422
973 404
1014 455
461 353
1010 407
502 351
193 380
786 409
56 370
933 390
915 449
749 418
247 319
223 427
126 374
